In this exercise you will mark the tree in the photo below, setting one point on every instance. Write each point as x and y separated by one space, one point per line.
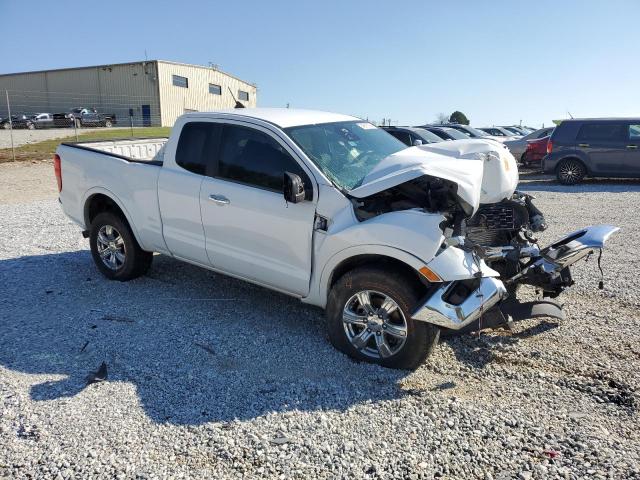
459 117
441 118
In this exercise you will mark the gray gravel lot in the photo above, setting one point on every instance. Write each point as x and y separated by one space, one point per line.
209 377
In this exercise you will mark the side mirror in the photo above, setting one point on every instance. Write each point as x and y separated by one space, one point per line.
293 188
417 142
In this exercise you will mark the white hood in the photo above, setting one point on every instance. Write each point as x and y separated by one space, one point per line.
414 162
484 171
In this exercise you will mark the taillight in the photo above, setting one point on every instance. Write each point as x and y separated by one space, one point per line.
549 147
57 168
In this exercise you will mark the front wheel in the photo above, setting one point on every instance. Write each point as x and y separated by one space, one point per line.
570 172
115 250
369 318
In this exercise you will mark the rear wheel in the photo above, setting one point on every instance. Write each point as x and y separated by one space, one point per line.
108 123
369 318
570 171
115 250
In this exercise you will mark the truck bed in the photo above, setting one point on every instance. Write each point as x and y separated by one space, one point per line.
147 150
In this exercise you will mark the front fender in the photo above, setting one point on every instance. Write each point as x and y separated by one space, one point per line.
319 292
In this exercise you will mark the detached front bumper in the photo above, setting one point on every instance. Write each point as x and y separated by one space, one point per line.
439 309
446 307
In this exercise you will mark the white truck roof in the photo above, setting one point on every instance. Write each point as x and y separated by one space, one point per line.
282 117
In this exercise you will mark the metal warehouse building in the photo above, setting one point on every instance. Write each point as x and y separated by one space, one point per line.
154 92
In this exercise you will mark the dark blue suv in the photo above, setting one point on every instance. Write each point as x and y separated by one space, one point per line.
595 147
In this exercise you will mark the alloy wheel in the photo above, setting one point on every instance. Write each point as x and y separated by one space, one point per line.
374 324
570 172
111 247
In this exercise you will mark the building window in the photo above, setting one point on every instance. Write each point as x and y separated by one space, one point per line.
215 89
242 95
179 81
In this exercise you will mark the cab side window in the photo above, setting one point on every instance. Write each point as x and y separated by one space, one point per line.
254 158
197 146
608 132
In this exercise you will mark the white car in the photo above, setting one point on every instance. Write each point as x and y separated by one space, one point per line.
324 207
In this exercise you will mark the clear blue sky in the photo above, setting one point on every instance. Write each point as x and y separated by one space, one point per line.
497 61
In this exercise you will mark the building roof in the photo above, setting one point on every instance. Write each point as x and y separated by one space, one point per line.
283 117
128 63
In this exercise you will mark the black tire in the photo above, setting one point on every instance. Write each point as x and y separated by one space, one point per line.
108 124
570 171
31 126
136 261
421 337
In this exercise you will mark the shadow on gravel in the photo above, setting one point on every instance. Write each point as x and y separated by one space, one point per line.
479 351
197 346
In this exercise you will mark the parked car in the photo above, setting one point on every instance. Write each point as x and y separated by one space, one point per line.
516 130
473 132
500 132
42 120
445 132
518 146
17 121
412 136
84 117
535 152
594 147
327 208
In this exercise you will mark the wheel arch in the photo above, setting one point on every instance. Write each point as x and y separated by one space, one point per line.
100 200
573 156
361 255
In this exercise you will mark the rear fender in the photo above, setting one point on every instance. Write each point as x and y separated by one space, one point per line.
108 193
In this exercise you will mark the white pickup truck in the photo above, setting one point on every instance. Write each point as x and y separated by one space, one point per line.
330 209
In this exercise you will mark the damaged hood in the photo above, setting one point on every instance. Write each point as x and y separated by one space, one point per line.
485 172
414 162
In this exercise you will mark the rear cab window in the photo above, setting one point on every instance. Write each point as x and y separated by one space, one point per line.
198 146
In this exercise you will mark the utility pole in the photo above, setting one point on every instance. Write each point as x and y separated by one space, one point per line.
13 149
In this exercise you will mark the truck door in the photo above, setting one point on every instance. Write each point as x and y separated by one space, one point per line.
179 190
250 230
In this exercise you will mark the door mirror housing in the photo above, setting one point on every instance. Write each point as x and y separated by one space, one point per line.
417 142
293 188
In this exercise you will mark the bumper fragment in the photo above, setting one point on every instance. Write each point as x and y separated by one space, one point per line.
438 311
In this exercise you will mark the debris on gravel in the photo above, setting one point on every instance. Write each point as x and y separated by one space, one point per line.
210 377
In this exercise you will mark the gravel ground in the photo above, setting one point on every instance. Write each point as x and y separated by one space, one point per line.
22 136
209 377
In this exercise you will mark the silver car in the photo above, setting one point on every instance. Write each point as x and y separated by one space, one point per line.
519 146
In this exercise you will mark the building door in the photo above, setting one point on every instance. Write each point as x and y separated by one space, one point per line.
146 115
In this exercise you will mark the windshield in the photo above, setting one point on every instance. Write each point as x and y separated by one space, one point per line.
452 132
495 132
345 151
470 131
427 136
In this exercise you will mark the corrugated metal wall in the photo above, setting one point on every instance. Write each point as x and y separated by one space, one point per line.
118 88
177 100
110 89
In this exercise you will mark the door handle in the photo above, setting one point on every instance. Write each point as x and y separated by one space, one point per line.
632 147
219 199
583 145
